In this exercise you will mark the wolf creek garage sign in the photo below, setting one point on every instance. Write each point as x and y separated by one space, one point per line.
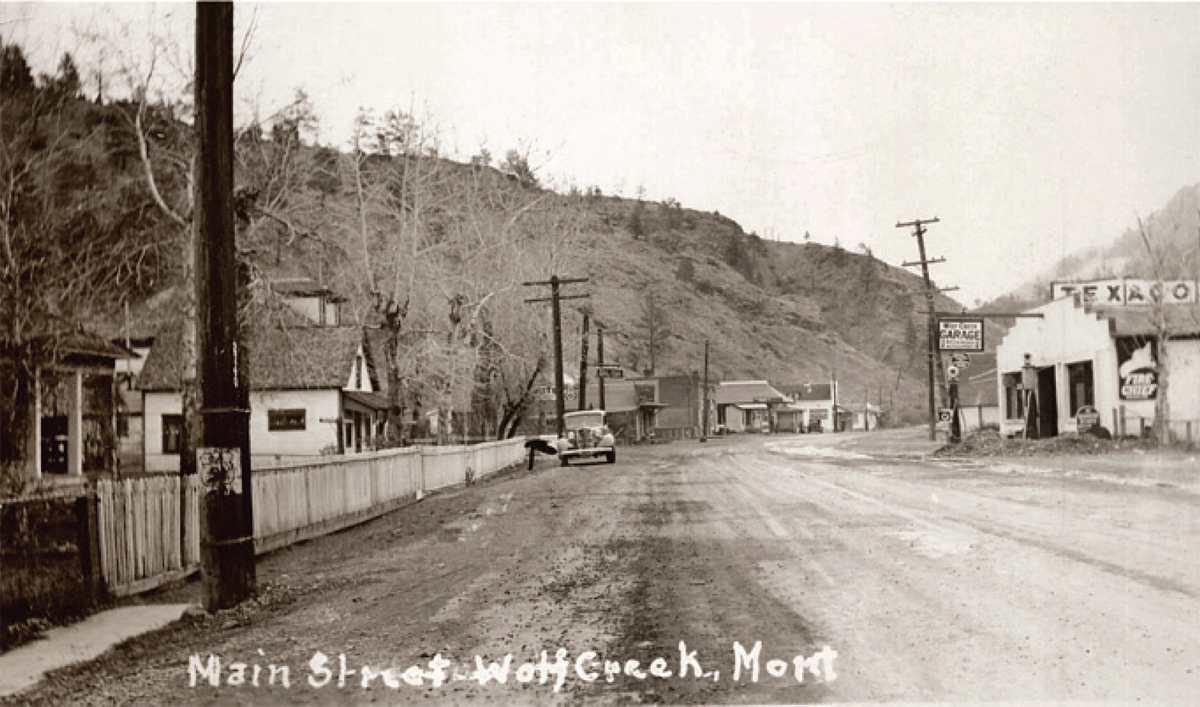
1126 292
960 334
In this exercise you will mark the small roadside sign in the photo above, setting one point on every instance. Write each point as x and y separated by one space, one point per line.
961 359
610 372
945 415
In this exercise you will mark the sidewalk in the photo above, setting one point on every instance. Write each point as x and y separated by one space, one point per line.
23 667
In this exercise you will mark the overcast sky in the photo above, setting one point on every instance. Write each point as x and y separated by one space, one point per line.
1030 130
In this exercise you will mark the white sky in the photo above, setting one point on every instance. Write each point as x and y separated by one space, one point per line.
1029 130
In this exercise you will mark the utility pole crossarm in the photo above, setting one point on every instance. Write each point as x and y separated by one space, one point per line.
560 298
935 261
563 281
917 223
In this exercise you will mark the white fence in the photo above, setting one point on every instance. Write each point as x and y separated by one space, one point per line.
142 544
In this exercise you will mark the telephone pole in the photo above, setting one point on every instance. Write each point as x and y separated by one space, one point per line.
555 282
600 361
223 459
934 362
704 429
583 363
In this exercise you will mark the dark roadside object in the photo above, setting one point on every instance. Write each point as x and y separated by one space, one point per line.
1098 432
538 445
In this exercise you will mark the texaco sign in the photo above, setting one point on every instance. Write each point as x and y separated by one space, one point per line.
1126 291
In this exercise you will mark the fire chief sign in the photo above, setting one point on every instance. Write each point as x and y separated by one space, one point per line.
1138 367
960 334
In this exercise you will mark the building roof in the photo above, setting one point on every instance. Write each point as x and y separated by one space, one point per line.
371 400
281 358
84 343
62 345
733 392
808 391
375 342
1182 319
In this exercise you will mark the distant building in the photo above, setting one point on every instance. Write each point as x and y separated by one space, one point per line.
747 406
815 403
867 417
315 301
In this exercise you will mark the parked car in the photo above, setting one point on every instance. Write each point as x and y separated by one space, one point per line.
587 435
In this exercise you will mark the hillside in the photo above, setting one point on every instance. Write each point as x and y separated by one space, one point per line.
400 224
1174 232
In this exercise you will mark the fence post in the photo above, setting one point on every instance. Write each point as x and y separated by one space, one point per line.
87 528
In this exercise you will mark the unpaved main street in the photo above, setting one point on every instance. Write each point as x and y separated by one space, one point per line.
930 581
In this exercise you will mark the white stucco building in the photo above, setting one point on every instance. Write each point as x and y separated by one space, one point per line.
1104 357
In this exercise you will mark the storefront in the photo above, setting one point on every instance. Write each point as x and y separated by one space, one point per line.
1098 364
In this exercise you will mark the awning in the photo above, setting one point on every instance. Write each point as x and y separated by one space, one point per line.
751 406
653 406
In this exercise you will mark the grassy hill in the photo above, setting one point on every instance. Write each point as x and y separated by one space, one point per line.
786 312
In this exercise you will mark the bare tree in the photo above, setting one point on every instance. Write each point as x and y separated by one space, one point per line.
1162 404
69 250
656 327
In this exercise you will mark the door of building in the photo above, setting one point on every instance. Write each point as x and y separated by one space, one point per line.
1047 411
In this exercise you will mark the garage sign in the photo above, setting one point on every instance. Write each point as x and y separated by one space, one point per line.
960 334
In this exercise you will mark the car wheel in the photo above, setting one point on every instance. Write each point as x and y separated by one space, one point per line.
611 457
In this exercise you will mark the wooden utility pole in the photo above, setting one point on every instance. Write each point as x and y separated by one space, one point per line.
704 429
583 363
223 461
554 282
918 227
600 362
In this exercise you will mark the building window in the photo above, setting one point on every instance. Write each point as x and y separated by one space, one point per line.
1014 398
358 366
172 434
284 420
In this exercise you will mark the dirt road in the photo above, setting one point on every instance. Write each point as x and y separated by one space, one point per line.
839 575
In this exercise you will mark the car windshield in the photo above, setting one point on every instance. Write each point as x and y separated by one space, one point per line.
578 422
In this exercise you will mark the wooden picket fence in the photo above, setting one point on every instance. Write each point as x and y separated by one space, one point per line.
142 544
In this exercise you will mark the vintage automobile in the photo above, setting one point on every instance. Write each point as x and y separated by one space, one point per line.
587 435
